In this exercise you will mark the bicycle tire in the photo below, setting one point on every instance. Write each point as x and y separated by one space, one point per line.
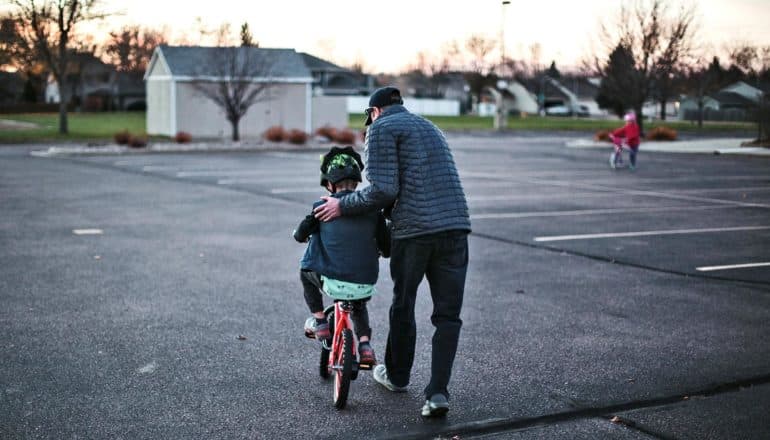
344 369
323 367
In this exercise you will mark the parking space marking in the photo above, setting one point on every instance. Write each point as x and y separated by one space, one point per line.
728 189
225 172
533 196
501 215
731 266
155 168
647 233
658 194
295 190
92 231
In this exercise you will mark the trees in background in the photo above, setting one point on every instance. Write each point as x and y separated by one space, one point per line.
622 83
130 48
659 43
48 29
480 72
247 40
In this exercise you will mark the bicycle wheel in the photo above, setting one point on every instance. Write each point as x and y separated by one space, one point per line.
323 367
343 367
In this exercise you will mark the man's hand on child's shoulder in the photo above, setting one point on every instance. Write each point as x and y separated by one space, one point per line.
329 210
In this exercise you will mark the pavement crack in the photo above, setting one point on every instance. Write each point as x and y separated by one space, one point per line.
608 412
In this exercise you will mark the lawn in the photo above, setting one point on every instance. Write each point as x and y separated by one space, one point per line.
102 126
536 123
82 126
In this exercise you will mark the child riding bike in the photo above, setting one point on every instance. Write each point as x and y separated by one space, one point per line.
625 136
342 253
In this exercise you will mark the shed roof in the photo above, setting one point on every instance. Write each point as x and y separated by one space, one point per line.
194 61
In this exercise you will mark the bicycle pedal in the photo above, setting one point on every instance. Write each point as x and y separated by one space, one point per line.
365 366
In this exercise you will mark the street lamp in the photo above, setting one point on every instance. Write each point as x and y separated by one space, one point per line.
502 35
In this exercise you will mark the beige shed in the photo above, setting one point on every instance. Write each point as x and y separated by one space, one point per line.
174 103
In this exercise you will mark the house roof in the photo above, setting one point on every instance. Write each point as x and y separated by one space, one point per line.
314 63
194 61
732 99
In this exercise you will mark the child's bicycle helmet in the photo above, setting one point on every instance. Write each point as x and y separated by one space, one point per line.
341 164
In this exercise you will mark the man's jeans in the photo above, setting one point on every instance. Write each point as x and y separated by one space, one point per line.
443 259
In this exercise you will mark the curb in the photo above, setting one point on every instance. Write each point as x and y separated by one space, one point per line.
173 148
707 146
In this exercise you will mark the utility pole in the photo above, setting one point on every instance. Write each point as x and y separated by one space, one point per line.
502 36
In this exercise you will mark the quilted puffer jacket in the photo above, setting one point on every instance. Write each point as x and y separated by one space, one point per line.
411 171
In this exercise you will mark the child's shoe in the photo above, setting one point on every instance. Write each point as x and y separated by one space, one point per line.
317 329
366 358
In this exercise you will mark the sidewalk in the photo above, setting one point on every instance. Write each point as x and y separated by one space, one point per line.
708 146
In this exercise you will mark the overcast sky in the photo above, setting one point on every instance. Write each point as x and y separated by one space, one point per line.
387 35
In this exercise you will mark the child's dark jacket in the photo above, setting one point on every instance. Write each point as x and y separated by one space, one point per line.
346 248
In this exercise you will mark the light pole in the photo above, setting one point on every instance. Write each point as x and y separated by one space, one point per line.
502 35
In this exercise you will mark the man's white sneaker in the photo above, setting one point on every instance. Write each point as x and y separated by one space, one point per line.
436 406
380 374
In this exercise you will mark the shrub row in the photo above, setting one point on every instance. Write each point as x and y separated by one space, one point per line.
655 134
133 141
344 136
661 134
279 134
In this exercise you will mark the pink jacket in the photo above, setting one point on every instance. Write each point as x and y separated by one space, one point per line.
630 132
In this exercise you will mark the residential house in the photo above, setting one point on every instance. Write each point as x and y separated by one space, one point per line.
584 91
175 104
330 79
516 99
735 102
90 83
11 87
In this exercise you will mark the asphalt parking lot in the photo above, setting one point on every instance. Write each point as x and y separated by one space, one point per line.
599 303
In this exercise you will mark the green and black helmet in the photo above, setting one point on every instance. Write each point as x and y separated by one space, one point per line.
341 164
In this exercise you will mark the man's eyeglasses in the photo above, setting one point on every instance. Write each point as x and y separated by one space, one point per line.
368 111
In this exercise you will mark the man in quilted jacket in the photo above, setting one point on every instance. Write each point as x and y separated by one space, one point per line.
412 175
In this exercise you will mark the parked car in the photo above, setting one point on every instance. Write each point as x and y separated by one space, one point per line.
583 111
558 110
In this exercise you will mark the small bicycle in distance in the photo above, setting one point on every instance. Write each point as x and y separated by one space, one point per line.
616 157
341 359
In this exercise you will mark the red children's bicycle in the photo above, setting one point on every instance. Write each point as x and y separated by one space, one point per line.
341 359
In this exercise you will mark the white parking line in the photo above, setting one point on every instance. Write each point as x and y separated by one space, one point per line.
647 233
731 266
657 194
214 173
152 168
87 231
499 215
293 190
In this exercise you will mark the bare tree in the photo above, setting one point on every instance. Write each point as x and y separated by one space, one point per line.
242 77
49 26
131 48
659 41
477 77
479 49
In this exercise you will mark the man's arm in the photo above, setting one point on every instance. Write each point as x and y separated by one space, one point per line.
382 174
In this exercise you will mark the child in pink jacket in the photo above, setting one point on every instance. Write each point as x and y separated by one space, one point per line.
628 135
